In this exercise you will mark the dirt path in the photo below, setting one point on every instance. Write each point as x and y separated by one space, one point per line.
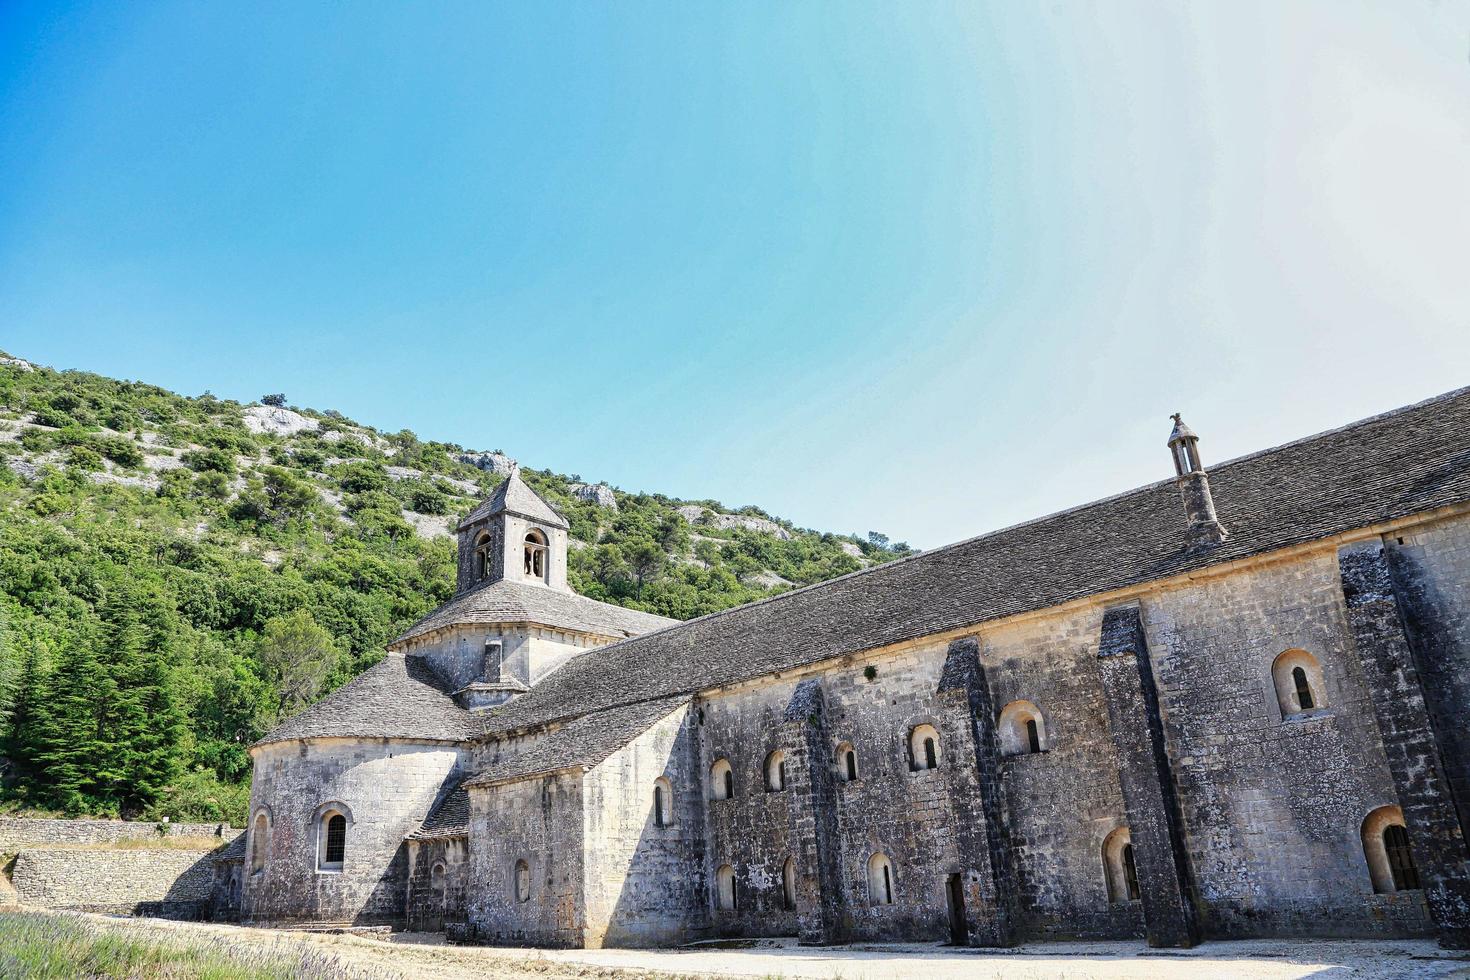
412 955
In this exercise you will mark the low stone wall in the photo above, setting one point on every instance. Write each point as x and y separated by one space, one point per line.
19 833
169 883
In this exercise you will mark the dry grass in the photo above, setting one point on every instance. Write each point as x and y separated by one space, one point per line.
58 946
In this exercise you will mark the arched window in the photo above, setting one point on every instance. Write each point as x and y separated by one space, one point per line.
1391 864
332 849
523 881
846 763
260 842
1021 729
721 780
1119 868
788 884
536 558
923 748
482 556
880 880
1297 677
663 803
725 889
775 770
436 882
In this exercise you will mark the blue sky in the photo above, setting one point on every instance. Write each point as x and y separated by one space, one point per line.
929 269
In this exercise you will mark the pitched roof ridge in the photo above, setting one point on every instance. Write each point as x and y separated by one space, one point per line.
1447 396
1010 528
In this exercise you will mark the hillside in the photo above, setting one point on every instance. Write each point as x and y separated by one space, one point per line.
178 573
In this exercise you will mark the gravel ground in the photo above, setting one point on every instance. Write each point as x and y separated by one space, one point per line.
422 955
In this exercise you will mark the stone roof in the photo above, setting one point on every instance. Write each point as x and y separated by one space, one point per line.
514 497
451 818
580 743
1409 461
233 851
506 601
399 698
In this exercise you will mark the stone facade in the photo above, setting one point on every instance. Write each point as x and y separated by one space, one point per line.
382 787
1208 709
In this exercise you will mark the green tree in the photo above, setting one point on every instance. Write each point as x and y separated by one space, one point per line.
297 656
645 559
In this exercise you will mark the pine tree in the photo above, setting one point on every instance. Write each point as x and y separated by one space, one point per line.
73 728
19 745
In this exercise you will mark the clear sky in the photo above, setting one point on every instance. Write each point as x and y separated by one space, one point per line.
929 268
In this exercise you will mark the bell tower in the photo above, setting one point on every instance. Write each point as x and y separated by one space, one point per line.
514 536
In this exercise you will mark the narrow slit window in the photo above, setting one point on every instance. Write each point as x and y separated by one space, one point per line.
923 748
1303 688
1130 872
1400 858
851 762
1033 737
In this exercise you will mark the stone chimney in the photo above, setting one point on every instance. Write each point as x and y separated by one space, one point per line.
1194 487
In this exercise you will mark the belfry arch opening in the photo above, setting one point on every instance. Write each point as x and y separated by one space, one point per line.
536 556
484 564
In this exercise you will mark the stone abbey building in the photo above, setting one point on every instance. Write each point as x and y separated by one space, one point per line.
1227 704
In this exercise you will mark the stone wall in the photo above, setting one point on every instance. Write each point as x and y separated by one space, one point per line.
438 884
385 789
1268 810
644 883
539 821
1063 801
1273 807
17 833
527 653
145 882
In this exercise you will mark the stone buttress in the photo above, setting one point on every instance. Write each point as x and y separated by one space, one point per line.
975 790
1154 825
1409 739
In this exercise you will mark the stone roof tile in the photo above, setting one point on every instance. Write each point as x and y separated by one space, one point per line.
451 818
582 742
506 601
1408 461
514 497
401 697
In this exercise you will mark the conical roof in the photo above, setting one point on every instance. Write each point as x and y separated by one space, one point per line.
1181 431
514 497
